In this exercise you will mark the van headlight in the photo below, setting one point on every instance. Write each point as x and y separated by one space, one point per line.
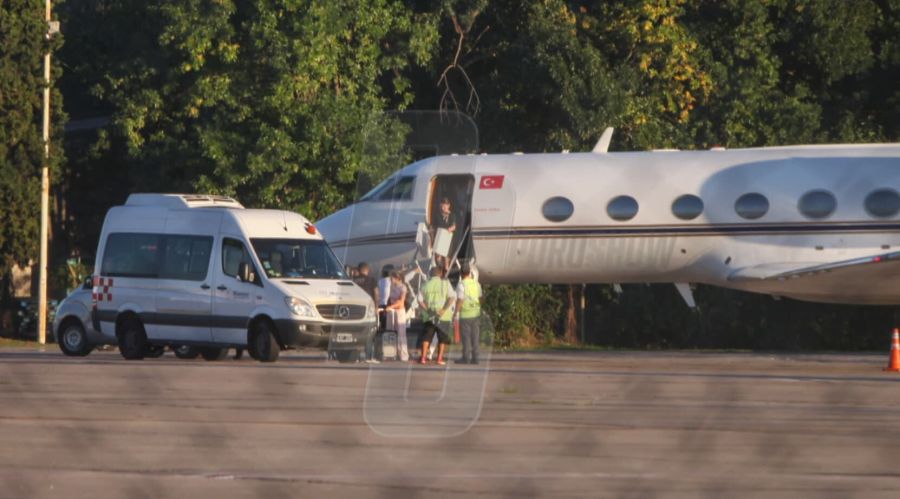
300 307
370 310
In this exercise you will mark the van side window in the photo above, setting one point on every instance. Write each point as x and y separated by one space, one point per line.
131 255
233 253
186 258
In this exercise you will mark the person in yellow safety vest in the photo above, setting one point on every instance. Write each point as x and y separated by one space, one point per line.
468 308
436 300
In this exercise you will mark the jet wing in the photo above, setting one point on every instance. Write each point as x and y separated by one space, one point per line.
875 266
870 280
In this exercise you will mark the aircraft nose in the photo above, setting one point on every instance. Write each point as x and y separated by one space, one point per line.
335 228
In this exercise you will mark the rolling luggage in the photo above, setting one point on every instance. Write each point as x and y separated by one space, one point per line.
389 345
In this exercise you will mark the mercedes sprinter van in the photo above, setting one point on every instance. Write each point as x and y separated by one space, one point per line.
198 270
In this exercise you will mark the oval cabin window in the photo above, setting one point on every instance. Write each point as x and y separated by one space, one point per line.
687 207
883 203
751 206
817 204
622 208
558 209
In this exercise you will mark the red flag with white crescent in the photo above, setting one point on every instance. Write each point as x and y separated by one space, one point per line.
491 182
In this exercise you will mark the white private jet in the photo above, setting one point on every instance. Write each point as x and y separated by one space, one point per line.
815 222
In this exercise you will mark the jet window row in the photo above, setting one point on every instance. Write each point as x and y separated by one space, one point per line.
816 205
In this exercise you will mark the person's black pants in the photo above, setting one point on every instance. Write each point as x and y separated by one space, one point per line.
431 328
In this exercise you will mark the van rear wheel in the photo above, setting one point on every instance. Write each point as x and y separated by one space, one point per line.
186 352
132 340
262 345
214 354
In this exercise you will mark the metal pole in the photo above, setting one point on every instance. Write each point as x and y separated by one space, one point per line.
45 196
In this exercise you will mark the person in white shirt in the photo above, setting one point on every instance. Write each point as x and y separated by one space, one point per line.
383 288
396 306
382 293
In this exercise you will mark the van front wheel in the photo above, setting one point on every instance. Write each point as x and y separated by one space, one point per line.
262 345
132 340
73 340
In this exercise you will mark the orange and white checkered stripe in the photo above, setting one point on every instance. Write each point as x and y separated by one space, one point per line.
102 289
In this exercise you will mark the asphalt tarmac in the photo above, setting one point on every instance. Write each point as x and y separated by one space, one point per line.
578 424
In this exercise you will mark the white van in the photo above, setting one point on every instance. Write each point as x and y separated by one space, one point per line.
175 270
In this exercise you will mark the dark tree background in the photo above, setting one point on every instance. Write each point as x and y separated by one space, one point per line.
282 103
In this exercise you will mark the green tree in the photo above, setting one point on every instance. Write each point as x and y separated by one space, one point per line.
275 102
884 93
23 43
522 314
551 75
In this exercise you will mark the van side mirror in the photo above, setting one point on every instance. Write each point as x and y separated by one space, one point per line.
244 273
88 282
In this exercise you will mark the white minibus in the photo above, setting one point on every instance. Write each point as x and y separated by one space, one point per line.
195 270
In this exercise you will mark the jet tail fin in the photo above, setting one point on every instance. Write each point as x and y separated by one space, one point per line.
602 145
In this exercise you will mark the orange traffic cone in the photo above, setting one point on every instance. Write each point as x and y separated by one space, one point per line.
894 361
456 338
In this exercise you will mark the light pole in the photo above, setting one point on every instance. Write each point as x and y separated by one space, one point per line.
52 28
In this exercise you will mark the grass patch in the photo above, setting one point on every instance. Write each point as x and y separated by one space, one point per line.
557 346
11 343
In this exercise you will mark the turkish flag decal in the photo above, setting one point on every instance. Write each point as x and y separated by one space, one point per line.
491 182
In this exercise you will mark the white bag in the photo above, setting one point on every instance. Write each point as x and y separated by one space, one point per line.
442 239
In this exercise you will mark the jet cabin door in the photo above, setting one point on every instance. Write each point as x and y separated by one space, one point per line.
495 241
449 217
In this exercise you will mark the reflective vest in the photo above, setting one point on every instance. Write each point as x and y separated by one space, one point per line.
435 293
471 305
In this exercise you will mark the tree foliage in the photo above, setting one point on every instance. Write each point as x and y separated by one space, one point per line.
551 75
522 314
268 101
23 44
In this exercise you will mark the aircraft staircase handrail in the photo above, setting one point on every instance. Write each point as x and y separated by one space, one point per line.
455 259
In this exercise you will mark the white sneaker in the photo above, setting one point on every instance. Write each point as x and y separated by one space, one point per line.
373 361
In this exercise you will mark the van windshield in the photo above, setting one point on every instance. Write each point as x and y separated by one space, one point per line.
306 258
